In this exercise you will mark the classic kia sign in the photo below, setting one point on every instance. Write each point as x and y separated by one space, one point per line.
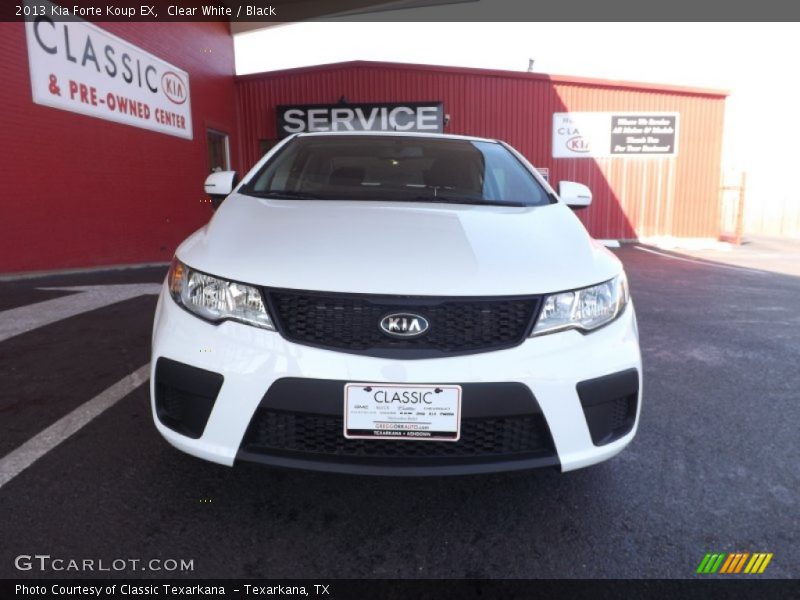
76 66
596 134
404 116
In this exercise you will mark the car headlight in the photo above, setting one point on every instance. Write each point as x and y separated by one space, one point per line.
215 299
585 309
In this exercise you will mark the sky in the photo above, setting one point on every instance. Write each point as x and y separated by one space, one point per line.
755 62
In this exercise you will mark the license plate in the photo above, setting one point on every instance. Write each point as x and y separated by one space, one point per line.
402 412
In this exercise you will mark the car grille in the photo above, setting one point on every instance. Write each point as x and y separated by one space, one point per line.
623 413
320 436
609 404
185 396
351 323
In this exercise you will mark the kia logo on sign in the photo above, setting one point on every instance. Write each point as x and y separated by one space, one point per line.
174 87
578 144
404 325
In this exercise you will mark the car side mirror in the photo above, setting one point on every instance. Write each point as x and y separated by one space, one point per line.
219 185
574 195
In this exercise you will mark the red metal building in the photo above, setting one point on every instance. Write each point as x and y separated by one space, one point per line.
675 195
82 191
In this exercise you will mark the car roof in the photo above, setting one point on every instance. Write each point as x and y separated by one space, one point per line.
418 134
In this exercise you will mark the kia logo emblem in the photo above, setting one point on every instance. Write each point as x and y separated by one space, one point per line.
578 144
174 87
404 325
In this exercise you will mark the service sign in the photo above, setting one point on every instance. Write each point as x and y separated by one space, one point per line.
76 66
603 134
404 116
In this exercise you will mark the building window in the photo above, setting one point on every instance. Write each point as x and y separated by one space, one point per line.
219 158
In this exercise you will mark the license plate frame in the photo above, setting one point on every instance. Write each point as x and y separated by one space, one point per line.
382 411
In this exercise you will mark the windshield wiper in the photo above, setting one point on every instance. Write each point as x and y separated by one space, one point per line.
284 194
461 200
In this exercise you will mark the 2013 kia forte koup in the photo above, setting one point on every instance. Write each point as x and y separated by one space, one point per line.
400 304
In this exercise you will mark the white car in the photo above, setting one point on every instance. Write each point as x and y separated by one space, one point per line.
398 304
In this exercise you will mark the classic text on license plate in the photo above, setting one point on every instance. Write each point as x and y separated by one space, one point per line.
398 411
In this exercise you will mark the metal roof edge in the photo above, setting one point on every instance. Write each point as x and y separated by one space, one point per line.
557 79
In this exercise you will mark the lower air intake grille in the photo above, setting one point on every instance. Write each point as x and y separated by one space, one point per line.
610 404
321 435
185 396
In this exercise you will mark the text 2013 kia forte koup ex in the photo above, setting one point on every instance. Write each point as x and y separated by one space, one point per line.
396 303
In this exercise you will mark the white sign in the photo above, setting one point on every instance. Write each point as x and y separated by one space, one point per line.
618 134
76 66
407 412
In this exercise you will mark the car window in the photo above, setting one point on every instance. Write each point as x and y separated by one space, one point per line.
397 168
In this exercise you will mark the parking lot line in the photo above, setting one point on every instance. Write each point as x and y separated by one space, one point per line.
700 262
20 320
20 459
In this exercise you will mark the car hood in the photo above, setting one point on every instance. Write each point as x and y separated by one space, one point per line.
398 248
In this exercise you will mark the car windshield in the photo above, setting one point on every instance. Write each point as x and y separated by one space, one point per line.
397 168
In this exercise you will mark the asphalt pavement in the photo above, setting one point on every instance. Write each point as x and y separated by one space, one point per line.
715 466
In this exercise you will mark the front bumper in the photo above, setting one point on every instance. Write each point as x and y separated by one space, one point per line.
542 378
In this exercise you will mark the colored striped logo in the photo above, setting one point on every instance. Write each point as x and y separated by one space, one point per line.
735 562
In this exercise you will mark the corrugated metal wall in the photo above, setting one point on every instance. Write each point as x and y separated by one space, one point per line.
80 191
633 197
